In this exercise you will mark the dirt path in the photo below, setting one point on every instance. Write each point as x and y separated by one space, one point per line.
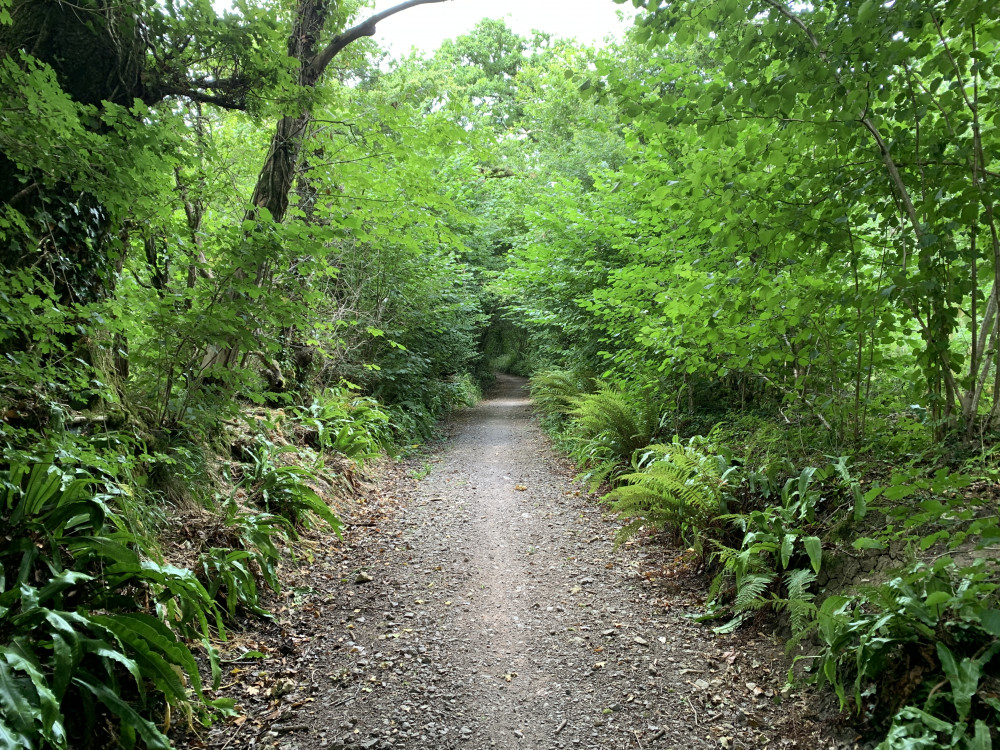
499 615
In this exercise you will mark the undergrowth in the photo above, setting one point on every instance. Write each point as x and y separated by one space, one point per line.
913 656
101 632
606 427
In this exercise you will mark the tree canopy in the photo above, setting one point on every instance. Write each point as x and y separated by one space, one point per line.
773 219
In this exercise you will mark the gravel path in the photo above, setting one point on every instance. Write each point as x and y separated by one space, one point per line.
499 615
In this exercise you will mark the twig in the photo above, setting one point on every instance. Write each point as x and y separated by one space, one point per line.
287 728
636 733
233 736
691 706
354 697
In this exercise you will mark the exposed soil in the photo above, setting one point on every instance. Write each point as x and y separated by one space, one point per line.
498 614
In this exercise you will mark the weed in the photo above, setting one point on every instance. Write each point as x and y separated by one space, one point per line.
422 472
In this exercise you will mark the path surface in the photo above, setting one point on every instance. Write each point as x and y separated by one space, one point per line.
501 616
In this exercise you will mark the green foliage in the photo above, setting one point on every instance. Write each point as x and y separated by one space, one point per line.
505 348
284 489
232 573
921 649
681 486
922 511
784 118
776 216
354 426
609 426
555 392
778 549
72 645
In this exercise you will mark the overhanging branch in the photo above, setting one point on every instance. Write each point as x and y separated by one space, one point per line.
365 28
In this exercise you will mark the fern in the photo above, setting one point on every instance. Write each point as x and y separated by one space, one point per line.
801 610
677 486
750 592
555 391
624 422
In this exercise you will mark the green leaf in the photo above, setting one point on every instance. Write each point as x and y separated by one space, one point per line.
964 678
936 598
16 706
129 717
866 11
149 641
814 548
252 655
982 740
786 549
990 620
214 663
860 502
867 543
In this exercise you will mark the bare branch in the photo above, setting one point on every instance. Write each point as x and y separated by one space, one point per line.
365 28
230 102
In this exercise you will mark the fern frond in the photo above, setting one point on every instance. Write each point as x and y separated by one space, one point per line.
798 582
673 485
750 591
600 469
801 610
621 422
555 391
716 587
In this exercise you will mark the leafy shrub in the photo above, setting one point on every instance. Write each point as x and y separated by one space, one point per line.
609 426
73 646
920 649
678 486
923 511
465 390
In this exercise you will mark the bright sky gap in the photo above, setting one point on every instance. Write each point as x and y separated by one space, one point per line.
425 27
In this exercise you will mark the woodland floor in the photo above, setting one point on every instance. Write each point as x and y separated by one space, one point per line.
499 615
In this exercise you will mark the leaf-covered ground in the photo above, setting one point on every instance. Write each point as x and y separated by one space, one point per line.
478 602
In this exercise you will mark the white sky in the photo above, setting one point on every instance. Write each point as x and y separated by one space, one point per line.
426 26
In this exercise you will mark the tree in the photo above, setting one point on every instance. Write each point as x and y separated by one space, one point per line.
103 69
892 97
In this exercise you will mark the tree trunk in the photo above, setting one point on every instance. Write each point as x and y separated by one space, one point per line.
276 177
274 184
